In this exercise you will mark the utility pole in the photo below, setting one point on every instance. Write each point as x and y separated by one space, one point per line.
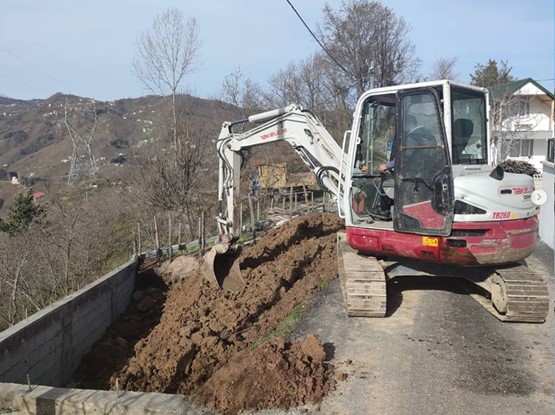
83 162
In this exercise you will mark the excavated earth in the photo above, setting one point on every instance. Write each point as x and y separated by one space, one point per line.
226 351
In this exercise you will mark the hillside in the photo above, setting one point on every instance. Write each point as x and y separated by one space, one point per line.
35 142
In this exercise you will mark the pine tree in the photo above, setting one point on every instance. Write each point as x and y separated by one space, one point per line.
491 74
20 216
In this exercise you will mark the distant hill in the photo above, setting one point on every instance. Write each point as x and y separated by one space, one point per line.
34 140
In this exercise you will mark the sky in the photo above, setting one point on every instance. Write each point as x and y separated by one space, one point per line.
86 48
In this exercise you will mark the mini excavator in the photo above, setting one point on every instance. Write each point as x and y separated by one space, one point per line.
451 213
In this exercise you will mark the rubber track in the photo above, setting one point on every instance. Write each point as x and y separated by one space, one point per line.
362 282
528 296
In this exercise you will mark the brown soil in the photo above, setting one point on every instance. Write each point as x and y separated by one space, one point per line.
220 349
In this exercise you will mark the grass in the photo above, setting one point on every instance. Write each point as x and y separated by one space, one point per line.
284 327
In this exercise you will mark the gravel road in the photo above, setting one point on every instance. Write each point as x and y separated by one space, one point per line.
438 352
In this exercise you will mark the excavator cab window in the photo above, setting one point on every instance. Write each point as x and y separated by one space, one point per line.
469 127
376 135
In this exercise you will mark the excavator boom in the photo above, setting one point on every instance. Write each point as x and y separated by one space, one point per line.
299 128
310 140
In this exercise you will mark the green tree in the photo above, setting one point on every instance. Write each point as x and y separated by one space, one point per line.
491 74
24 212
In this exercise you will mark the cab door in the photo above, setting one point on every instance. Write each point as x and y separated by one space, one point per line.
424 196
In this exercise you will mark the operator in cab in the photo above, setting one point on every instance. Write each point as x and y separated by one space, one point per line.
383 210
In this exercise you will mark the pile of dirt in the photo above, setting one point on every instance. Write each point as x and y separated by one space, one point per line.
519 166
212 346
275 375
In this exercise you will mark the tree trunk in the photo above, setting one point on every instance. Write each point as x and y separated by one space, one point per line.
156 241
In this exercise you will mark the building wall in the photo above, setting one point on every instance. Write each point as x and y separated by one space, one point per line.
538 118
539 115
547 214
49 345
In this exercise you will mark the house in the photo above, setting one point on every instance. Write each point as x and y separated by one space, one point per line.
38 195
522 119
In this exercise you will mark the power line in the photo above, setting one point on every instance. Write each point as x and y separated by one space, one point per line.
21 83
316 39
33 66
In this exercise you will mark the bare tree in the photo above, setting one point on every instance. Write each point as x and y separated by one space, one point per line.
444 68
170 169
75 243
168 180
370 43
511 122
15 263
242 92
165 55
303 83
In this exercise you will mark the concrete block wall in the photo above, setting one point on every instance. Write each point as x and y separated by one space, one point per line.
45 400
49 345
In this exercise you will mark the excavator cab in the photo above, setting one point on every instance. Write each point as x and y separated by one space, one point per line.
430 134
404 131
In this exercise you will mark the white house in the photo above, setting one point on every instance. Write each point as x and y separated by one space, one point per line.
522 117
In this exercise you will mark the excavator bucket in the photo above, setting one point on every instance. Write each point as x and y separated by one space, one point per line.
221 267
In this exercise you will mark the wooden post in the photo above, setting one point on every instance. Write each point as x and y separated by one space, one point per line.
241 216
134 245
306 198
139 247
202 233
253 220
170 249
291 200
156 240
179 236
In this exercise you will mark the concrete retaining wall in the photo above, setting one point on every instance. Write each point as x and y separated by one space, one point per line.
49 345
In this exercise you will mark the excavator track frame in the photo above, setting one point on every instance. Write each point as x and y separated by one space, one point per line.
363 281
511 293
517 294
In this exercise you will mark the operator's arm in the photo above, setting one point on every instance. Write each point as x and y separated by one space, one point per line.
390 165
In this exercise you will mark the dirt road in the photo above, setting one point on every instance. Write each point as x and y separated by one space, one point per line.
439 352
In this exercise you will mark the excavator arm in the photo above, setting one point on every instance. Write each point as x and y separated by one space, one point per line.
298 127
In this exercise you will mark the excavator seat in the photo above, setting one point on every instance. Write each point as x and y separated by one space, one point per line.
462 131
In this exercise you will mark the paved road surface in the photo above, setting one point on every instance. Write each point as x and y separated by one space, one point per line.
438 352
